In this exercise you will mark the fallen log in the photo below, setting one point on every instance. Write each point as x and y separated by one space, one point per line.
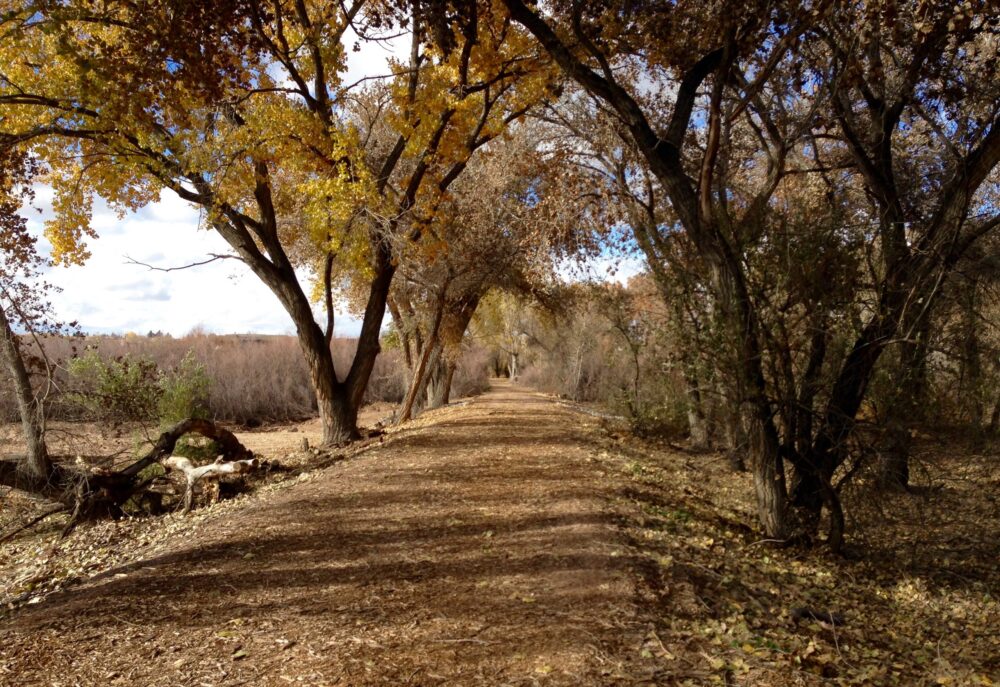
90 494
194 474
228 444
10 534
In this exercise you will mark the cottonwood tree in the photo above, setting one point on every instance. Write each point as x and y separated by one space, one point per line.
751 66
915 101
631 198
238 108
24 312
502 228
747 56
26 317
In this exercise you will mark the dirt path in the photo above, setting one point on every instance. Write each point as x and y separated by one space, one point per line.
476 548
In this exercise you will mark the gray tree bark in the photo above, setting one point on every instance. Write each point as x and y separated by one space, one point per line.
36 463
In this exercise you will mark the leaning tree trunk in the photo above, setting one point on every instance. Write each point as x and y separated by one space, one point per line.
36 463
454 324
418 381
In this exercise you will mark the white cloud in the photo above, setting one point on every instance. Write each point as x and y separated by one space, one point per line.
372 58
108 294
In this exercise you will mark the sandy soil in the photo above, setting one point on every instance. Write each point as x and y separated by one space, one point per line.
476 547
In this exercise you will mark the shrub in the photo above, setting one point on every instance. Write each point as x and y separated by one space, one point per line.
117 390
184 391
472 373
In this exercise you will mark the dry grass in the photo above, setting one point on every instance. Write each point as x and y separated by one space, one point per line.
255 379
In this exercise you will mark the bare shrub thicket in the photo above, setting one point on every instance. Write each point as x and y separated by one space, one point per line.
253 379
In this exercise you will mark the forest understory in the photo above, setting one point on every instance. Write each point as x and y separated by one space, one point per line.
511 539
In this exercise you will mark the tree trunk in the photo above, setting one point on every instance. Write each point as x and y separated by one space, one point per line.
735 437
36 463
369 340
829 446
337 402
697 420
994 425
439 382
740 322
458 314
768 480
443 397
905 410
338 416
971 395
418 382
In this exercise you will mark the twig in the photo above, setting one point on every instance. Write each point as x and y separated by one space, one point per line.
768 541
32 522
213 258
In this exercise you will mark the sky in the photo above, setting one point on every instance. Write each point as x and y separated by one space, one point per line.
112 294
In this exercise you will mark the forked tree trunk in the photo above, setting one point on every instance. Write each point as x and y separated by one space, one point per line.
337 416
36 463
337 401
454 324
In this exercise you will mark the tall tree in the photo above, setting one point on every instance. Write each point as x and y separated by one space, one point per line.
916 102
502 228
748 70
24 311
585 39
238 108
